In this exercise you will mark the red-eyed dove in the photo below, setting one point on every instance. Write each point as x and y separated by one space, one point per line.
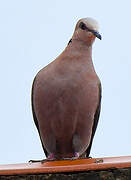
66 97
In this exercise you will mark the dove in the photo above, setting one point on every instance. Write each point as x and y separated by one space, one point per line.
66 97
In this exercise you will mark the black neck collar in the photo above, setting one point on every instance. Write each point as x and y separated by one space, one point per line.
70 41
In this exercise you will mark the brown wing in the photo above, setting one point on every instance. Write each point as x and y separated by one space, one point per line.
35 118
96 119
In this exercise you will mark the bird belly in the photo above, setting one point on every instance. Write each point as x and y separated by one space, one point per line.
65 116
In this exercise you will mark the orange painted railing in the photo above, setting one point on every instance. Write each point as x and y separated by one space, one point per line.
66 166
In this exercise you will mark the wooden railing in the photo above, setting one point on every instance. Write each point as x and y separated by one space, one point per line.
98 168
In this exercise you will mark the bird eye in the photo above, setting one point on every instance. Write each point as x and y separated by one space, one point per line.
82 26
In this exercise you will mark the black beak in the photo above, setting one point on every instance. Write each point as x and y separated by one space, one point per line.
97 34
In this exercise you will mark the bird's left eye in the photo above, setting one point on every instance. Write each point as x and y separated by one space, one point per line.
82 26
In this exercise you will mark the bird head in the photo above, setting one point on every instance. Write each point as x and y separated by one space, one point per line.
86 30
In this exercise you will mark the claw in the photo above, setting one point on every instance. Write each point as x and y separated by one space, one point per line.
34 161
51 157
42 161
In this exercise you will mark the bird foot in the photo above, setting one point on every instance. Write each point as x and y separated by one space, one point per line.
34 161
51 157
42 161
76 156
48 159
85 157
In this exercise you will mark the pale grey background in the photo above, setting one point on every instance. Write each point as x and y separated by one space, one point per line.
32 34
